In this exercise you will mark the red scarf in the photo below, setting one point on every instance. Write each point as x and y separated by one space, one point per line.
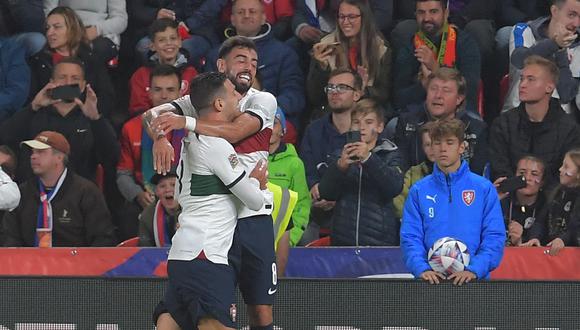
446 54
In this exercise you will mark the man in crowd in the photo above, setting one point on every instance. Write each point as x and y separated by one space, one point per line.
58 207
553 37
452 202
323 137
445 99
436 44
538 126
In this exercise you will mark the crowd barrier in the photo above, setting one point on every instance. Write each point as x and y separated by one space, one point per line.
517 264
50 303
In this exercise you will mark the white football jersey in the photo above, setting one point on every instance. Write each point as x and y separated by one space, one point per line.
209 166
263 106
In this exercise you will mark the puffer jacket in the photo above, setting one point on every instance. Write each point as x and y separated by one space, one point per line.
364 215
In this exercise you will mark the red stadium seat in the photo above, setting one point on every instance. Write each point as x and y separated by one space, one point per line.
131 242
504 86
325 241
100 177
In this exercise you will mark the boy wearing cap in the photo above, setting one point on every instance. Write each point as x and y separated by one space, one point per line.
58 207
158 221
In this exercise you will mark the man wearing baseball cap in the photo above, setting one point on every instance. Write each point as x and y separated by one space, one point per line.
57 206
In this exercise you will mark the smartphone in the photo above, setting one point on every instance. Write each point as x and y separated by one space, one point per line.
513 184
67 93
353 136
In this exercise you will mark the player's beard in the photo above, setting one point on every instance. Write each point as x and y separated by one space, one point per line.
241 87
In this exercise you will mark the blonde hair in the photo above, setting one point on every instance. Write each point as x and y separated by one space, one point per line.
368 106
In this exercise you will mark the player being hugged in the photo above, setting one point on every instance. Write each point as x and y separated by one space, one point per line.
452 202
250 133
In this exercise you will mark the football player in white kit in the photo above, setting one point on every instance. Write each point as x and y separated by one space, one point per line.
253 246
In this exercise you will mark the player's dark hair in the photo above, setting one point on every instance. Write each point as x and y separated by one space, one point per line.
164 70
204 89
235 42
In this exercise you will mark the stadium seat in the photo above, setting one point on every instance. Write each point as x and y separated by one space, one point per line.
131 242
504 86
100 177
325 241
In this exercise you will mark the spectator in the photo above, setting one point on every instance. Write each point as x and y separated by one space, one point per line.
538 126
452 202
75 212
286 170
417 172
445 96
355 44
555 38
165 49
522 207
435 44
158 222
278 13
14 77
92 137
24 21
198 21
135 167
104 22
9 193
558 226
363 182
278 66
66 38
325 136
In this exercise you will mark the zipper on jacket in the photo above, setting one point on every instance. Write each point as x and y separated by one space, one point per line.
448 186
359 202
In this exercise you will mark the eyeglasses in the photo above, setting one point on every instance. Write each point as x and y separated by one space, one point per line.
340 88
349 18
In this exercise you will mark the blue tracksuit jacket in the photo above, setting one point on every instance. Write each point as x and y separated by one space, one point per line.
462 205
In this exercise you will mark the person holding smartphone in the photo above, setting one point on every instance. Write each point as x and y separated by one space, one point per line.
363 182
522 198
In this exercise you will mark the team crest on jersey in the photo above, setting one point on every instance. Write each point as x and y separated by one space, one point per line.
468 197
234 161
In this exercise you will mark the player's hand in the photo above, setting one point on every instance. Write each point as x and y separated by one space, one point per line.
310 34
432 276
145 198
348 156
426 56
89 108
532 242
167 122
496 184
163 155
555 246
461 277
260 173
515 232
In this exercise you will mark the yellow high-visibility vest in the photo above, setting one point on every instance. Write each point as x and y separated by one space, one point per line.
284 202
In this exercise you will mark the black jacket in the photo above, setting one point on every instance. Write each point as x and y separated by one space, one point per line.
81 217
474 9
513 136
560 218
92 142
96 74
408 139
382 180
512 12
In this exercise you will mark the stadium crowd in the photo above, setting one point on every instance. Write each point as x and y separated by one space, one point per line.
76 76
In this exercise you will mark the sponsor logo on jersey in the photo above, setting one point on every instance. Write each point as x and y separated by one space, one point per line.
234 161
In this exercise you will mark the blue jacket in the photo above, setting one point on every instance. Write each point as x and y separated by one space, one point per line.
475 221
279 71
14 77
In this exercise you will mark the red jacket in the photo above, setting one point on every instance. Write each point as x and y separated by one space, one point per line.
130 159
139 87
274 9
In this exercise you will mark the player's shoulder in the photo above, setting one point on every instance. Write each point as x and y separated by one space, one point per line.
264 99
213 142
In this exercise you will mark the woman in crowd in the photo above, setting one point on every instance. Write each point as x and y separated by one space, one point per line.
65 34
557 227
355 44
